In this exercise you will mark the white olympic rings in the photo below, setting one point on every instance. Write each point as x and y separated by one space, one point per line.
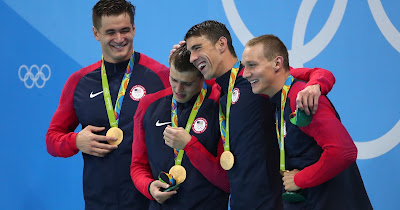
302 53
30 76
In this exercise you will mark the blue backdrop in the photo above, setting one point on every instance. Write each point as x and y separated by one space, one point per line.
359 41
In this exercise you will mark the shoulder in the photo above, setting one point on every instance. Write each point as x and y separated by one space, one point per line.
151 64
149 99
159 69
76 76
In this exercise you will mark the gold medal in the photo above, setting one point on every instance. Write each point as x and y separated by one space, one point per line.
227 160
178 172
115 132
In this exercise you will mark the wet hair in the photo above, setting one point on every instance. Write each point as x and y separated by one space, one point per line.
272 47
212 30
111 8
180 59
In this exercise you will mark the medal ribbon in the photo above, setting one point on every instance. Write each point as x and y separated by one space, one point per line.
178 154
281 135
113 114
224 121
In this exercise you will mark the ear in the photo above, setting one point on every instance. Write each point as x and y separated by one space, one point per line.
278 63
96 33
222 44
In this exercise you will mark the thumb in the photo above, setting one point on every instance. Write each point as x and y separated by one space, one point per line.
160 184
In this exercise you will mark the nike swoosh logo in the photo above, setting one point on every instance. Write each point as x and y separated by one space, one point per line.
158 124
96 94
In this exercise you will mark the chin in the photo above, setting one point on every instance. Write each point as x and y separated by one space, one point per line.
255 91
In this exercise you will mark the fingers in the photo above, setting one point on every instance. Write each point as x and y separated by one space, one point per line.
176 46
303 102
299 100
100 149
159 184
96 137
176 137
315 106
157 194
88 142
94 128
104 146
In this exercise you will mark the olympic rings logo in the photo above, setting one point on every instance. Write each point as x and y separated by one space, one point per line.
34 75
303 52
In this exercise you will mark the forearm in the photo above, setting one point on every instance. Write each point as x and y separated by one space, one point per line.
140 168
207 164
141 177
60 138
339 151
313 76
61 144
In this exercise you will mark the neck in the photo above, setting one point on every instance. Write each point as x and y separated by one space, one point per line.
279 82
116 62
226 65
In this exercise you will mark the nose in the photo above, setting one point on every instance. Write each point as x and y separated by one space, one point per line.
193 57
246 73
118 37
179 87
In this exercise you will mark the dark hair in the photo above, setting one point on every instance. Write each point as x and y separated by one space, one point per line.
109 8
213 30
272 47
180 59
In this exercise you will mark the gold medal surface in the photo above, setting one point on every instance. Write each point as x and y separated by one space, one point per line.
115 132
227 160
178 172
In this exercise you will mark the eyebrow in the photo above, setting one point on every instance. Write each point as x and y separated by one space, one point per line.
180 81
109 30
112 29
194 46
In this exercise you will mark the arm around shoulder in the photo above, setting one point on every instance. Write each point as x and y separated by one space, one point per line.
339 150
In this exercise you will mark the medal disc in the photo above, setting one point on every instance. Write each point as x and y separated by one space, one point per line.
227 160
178 172
115 132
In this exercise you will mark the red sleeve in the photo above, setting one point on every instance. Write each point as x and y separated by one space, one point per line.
339 150
323 77
140 167
60 137
207 164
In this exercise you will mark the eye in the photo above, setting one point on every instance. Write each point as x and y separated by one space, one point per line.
125 30
196 48
251 65
188 84
110 33
173 80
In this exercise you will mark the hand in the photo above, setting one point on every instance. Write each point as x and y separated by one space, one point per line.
176 137
288 180
155 191
88 142
175 47
307 99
